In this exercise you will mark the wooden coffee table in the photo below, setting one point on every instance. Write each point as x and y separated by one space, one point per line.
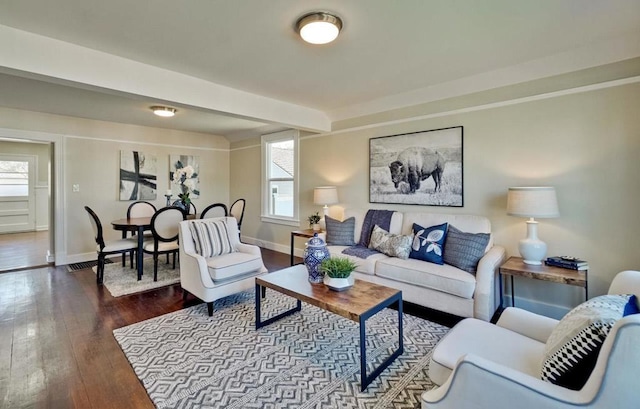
358 303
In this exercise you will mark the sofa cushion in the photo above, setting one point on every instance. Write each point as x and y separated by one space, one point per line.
340 233
363 265
464 250
428 242
393 245
573 346
230 266
211 237
445 278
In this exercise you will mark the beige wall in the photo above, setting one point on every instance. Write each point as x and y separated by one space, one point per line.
587 145
91 156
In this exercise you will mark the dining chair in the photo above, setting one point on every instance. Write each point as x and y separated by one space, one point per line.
215 210
237 210
103 248
138 209
164 228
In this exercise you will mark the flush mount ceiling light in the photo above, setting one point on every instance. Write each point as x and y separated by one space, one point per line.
319 27
164 111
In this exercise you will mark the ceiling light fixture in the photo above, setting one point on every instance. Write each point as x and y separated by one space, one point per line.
319 27
164 111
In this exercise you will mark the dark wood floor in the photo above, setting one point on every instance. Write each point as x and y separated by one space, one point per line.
57 349
22 250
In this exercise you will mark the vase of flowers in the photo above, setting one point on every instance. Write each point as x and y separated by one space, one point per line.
184 176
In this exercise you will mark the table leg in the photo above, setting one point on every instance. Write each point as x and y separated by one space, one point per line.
140 251
365 379
259 322
291 257
513 294
500 279
124 255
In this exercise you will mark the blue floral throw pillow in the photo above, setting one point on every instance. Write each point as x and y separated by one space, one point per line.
428 243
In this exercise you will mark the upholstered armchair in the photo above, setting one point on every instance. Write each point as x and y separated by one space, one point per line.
481 365
213 261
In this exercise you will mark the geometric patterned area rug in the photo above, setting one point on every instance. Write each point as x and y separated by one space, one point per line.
310 359
124 280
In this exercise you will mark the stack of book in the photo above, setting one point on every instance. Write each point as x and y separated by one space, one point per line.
567 262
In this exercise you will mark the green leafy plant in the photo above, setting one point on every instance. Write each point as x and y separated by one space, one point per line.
314 218
337 267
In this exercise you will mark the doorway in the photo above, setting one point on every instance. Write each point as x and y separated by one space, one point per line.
25 204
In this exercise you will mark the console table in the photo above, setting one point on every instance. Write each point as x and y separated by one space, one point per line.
516 267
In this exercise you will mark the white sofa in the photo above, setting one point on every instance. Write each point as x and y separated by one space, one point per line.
440 287
481 365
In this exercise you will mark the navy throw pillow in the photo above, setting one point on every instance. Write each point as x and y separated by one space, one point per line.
631 307
428 242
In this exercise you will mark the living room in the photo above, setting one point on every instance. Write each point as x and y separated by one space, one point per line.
567 119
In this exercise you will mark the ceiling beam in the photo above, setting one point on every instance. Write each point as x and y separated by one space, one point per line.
62 62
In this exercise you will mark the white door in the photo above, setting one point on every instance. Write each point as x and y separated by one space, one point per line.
17 193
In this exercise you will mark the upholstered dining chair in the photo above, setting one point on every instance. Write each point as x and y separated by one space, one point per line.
164 228
215 210
138 209
237 210
103 248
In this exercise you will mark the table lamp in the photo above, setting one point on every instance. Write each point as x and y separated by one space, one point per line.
325 195
540 202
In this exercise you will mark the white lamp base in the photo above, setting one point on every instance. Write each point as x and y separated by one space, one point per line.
326 210
531 248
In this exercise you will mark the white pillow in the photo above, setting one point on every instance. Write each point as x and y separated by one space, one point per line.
211 238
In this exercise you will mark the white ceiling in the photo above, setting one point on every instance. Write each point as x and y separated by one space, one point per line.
390 54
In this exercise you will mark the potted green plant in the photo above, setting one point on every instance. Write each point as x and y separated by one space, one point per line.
314 219
337 273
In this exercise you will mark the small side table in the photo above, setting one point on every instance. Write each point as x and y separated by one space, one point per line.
515 267
306 233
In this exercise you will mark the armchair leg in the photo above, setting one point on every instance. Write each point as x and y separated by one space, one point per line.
210 308
184 294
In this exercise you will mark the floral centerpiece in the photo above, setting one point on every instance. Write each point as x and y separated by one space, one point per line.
184 177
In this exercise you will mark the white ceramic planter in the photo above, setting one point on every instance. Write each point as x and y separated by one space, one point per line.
338 284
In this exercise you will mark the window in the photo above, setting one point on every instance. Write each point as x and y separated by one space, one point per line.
14 178
280 178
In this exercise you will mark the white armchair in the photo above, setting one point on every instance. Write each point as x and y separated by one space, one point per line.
481 365
212 278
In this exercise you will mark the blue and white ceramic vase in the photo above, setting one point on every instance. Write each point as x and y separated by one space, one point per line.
315 252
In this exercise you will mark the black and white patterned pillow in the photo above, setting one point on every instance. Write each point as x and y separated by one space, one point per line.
572 349
340 233
464 250
211 238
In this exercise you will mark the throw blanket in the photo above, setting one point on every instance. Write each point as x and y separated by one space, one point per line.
381 218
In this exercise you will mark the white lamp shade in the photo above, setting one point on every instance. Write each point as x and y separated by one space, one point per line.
540 202
325 195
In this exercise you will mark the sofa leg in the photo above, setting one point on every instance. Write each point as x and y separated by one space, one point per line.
210 308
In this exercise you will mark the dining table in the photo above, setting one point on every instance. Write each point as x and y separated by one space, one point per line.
136 225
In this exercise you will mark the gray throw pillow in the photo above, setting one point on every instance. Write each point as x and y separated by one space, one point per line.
464 250
340 233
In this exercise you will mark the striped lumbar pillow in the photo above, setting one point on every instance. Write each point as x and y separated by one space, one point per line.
211 238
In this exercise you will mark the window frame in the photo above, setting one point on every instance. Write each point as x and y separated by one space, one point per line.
266 141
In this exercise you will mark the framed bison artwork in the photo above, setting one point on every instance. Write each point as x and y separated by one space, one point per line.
419 168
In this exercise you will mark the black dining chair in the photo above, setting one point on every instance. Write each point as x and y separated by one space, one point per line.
164 228
215 210
138 209
237 210
190 210
103 248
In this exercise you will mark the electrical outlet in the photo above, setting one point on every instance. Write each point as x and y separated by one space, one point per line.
76 188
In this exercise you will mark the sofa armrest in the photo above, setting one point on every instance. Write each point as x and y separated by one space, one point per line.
526 323
491 385
484 304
